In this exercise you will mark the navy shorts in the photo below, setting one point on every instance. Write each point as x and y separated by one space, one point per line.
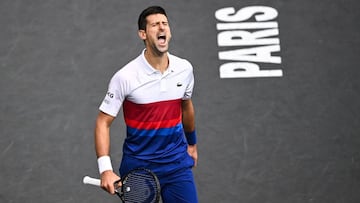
176 178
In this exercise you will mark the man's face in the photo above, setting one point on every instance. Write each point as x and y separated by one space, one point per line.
157 35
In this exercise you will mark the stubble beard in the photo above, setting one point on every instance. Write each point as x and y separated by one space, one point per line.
159 51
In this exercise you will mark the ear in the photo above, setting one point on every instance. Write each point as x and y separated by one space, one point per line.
142 34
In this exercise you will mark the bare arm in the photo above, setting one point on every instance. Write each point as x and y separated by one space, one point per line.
102 147
188 120
188 115
102 134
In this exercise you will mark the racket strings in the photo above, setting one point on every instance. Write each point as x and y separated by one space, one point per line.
140 187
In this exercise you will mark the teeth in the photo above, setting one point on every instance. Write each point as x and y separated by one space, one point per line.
161 37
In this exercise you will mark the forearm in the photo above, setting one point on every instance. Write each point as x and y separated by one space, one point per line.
102 134
188 120
188 116
102 141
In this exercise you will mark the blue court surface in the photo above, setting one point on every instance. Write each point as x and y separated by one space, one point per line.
277 96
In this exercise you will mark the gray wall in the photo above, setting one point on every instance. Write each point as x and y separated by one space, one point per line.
285 139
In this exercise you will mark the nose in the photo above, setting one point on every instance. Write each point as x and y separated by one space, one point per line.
161 26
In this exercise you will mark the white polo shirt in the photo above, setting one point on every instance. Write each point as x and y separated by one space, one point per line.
151 104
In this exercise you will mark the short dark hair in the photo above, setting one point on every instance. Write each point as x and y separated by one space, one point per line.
149 11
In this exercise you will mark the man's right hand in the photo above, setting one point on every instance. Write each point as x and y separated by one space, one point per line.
108 179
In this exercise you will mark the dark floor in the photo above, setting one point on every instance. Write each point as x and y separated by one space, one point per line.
287 139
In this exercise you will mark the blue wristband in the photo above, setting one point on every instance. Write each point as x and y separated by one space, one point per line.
191 137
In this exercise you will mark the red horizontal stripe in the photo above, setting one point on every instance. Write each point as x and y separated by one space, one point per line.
162 111
152 125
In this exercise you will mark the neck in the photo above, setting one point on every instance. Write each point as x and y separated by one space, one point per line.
158 61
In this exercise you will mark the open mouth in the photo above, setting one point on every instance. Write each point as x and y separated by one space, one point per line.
162 38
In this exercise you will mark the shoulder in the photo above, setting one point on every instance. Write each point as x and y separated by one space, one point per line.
180 63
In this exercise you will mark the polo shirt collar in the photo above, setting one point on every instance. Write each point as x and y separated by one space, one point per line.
150 70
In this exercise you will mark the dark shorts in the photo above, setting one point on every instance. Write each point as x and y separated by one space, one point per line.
176 178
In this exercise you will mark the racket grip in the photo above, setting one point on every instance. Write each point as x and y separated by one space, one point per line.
91 181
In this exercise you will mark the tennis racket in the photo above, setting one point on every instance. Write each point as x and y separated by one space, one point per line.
139 185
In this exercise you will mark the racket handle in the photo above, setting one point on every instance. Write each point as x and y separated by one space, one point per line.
91 181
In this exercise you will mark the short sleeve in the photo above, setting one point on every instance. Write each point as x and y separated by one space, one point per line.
114 97
190 84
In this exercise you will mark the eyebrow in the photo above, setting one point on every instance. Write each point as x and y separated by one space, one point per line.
158 22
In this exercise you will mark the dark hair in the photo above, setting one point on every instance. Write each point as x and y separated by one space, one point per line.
149 11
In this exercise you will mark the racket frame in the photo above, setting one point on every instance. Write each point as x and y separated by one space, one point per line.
120 193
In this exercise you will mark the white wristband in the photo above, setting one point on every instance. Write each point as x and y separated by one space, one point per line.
104 164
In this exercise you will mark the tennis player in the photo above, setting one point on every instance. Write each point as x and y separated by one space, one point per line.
154 91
